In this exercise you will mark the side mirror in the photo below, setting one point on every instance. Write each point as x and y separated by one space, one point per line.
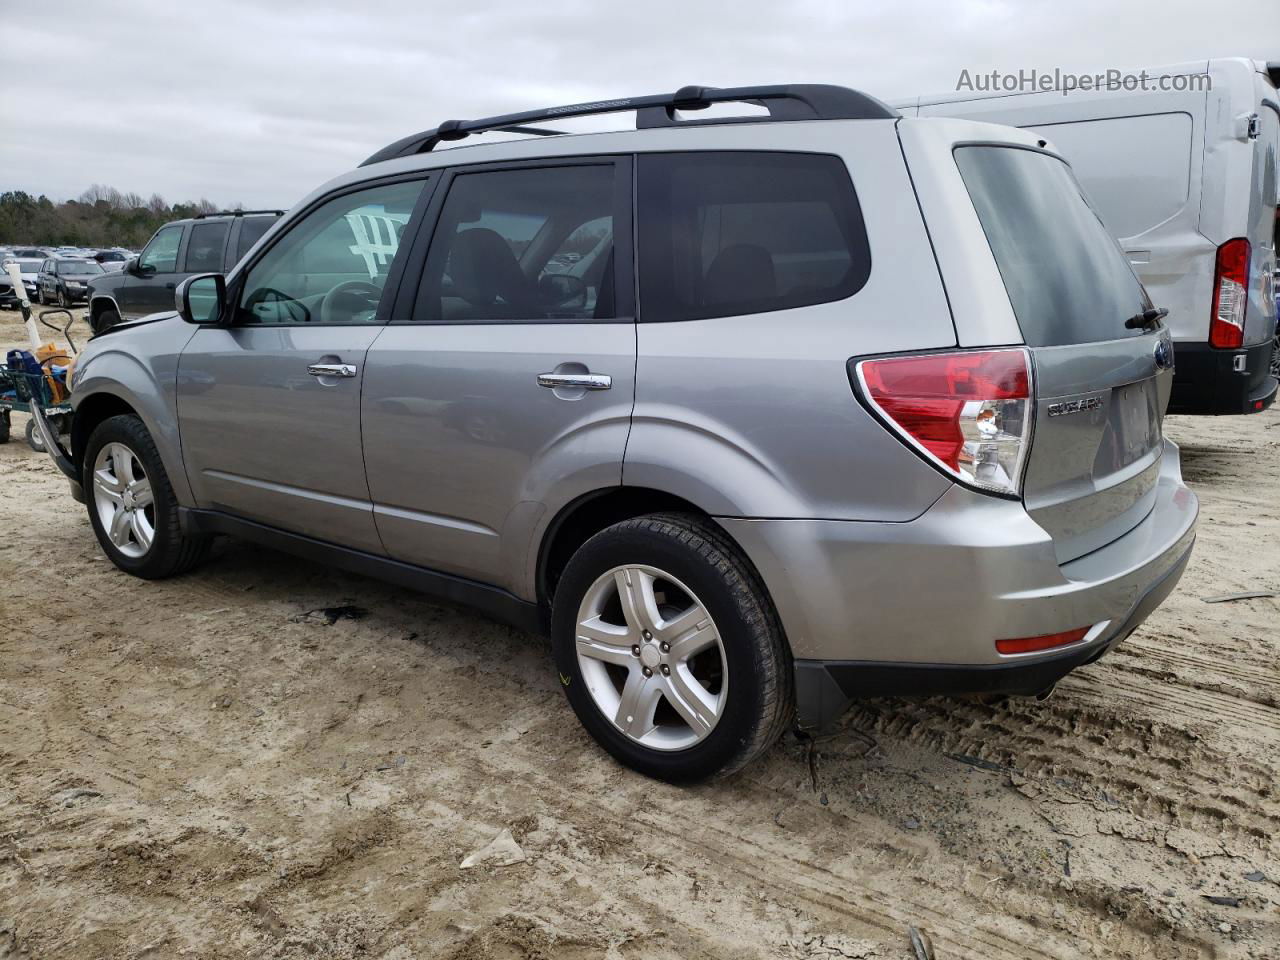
202 298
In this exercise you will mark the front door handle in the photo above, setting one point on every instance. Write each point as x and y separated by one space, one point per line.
585 381
332 369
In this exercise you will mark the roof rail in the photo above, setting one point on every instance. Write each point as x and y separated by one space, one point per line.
236 213
802 101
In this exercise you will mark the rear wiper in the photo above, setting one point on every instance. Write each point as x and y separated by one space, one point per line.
1146 318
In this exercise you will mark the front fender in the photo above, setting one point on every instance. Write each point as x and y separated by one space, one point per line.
138 368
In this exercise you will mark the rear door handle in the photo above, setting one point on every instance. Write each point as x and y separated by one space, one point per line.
586 381
332 369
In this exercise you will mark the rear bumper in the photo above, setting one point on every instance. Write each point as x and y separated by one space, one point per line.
1207 380
880 609
826 688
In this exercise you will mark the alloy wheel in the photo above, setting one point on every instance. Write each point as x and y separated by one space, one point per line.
651 657
124 501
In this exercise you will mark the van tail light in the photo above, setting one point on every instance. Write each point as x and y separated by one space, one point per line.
1230 295
969 413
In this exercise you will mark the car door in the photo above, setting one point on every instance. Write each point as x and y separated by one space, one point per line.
503 390
47 281
149 288
269 402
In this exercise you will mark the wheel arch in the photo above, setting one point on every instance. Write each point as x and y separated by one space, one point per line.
99 303
90 412
585 516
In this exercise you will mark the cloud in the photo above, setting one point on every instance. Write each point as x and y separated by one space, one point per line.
257 103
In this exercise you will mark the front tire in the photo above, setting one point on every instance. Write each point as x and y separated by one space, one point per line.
106 320
132 505
64 299
669 649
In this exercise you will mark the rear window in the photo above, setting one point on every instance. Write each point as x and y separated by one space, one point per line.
731 233
1067 279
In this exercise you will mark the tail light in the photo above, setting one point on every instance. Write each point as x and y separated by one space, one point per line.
969 413
1230 295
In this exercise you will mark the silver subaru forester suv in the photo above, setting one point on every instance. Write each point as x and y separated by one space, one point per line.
754 415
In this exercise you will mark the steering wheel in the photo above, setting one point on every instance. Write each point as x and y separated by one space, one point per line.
330 308
297 312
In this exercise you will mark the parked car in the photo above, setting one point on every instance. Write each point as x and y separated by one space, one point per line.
29 270
27 253
65 281
1189 181
111 259
786 475
208 242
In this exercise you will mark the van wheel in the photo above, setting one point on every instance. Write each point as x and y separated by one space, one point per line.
4 426
131 503
669 649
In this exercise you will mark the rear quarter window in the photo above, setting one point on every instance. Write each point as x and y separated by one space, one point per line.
1067 279
730 233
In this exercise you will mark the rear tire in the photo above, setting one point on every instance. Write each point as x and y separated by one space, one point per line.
40 296
4 426
718 691
132 505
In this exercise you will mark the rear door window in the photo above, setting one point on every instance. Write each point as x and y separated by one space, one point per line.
729 233
525 245
205 246
1067 279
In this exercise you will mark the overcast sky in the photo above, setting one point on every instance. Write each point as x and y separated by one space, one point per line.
259 102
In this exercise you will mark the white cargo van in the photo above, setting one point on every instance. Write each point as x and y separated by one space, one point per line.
1184 172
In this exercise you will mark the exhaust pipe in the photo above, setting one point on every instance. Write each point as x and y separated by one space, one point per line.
1047 692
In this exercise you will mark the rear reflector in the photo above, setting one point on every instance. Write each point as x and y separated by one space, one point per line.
1230 295
1045 642
969 413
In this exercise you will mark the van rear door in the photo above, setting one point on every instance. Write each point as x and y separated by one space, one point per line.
1101 381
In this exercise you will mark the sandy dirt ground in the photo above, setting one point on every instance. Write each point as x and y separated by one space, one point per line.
206 767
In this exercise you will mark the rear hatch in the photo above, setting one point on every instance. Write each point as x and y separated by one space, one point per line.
1100 386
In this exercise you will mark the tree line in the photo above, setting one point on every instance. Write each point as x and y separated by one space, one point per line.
99 217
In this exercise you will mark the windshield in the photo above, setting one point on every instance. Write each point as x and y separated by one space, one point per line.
77 267
1067 278
29 266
